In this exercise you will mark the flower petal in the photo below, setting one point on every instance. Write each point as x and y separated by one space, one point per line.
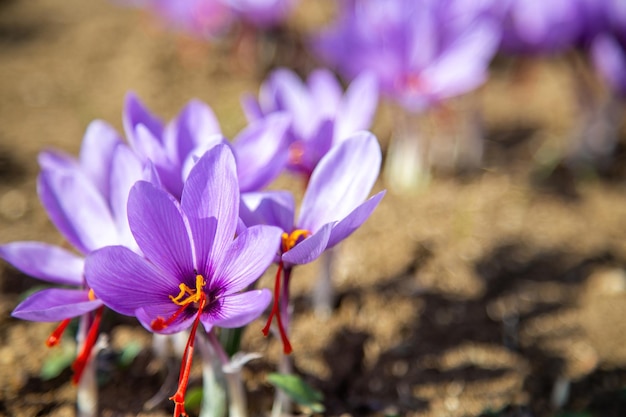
77 209
96 154
354 220
125 171
261 151
125 281
326 91
341 181
247 257
274 208
310 248
55 304
136 114
46 262
238 310
159 229
357 107
212 190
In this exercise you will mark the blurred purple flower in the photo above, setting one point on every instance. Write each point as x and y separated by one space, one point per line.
174 148
608 48
542 27
422 51
86 201
193 270
321 115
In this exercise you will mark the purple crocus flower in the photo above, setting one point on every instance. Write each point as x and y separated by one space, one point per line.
321 115
86 201
333 207
173 148
194 269
422 51
608 48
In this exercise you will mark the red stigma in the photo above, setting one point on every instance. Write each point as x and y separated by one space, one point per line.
55 336
85 353
185 367
276 312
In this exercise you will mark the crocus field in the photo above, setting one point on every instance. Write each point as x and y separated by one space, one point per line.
343 208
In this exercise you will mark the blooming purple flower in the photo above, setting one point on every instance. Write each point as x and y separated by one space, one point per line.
172 149
194 268
321 115
333 207
86 201
422 51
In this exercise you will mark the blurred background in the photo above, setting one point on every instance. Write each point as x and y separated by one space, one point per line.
490 281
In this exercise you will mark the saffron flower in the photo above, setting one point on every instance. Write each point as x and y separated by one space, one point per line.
194 267
86 200
421 51
333 207
321 115
173 148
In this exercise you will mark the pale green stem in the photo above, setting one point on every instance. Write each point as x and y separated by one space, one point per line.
324 290
87 389
213 383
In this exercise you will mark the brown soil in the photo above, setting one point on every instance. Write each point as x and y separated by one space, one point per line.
473 297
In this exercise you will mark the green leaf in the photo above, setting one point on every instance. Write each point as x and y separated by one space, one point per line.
298 390
58 361
129 353
193 399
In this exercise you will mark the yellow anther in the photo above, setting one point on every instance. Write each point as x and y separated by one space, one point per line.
91 295
193 296
290 240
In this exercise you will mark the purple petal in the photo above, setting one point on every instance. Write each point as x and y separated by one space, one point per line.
251 108
96 154
310 248
212 190
238 310
136 114
292 96
203 235
274 208
125 281
55 160
195 123
261 151
46 262
247 258
55 304
326 91
341 181
77 209
354 220
125 171
159 229
610 61
357 107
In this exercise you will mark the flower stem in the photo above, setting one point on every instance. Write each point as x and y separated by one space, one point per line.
86 385
213 389
282 403
324 291
237 403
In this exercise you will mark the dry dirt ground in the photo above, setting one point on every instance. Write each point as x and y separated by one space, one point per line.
474 297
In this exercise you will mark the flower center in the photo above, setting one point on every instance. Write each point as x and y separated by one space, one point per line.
186 297
289 240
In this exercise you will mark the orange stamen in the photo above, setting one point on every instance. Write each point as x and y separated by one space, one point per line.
292 239
193 296
55 336
85 353
276 312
